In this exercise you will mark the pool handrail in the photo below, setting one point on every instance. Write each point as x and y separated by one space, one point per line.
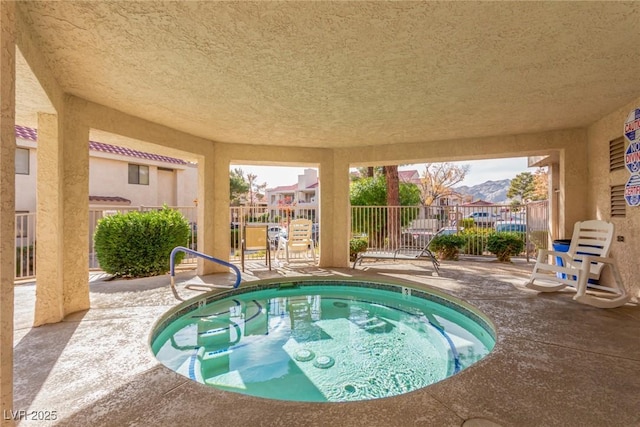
172 266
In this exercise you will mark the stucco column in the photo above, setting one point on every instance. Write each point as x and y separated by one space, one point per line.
213 210
572 199
335 210
7 201
62 275
553 196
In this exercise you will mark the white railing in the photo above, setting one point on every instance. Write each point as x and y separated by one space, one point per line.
25 245
277 219
384 227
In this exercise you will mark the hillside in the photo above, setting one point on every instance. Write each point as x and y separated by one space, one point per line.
490 191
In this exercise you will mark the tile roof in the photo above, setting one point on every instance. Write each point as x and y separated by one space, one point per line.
110 199
293 187
285 188
409 176
479 203
32 135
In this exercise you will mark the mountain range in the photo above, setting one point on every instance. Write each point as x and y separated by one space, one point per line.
489 191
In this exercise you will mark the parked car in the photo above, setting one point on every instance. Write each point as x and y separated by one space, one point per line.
509 226
484 219
420 238
445 231
274 232
518 227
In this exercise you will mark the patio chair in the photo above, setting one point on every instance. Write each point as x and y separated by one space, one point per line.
298 239
256 238
402 254
580 267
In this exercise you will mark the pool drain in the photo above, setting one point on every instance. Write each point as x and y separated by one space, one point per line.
323 362
340 304
349 388
304 355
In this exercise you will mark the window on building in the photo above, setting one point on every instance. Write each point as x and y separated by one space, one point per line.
138 174
22 161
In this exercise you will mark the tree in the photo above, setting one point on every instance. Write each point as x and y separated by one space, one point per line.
541 184
438 180
251 179
238 186
522 187
365 172
373 192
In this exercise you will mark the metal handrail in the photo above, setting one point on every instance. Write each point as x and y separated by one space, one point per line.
172 266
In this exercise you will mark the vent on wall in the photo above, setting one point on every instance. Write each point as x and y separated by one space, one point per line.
616 154
618 205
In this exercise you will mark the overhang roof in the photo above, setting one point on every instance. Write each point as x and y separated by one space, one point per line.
31 134
344 74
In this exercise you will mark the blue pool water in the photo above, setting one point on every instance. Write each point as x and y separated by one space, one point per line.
321 341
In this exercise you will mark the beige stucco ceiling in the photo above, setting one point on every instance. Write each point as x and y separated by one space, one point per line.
335 74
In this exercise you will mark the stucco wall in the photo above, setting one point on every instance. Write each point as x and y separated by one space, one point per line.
599 135
110 178
187 185
26 200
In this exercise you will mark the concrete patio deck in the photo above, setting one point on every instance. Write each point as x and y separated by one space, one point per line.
556 362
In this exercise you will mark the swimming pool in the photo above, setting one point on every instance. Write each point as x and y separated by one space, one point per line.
322 341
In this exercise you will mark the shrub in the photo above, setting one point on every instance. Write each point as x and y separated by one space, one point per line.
138 244
357 245
505 245
467 223
447 246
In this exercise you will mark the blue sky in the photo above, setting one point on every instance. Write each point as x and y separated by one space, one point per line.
481 171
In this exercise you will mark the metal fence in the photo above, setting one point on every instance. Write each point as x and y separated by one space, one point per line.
390 227
277 221
383 227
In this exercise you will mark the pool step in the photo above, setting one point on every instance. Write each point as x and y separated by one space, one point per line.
209 355
372 324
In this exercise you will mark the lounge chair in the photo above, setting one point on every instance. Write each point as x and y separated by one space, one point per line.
580 267
256 238
299 239
401 254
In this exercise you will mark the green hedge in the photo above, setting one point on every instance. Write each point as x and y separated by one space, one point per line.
505 245
447 246
138 244
357 245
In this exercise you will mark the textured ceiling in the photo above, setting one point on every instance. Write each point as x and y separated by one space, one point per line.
334 74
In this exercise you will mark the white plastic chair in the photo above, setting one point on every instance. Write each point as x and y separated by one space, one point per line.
299 239
587 256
